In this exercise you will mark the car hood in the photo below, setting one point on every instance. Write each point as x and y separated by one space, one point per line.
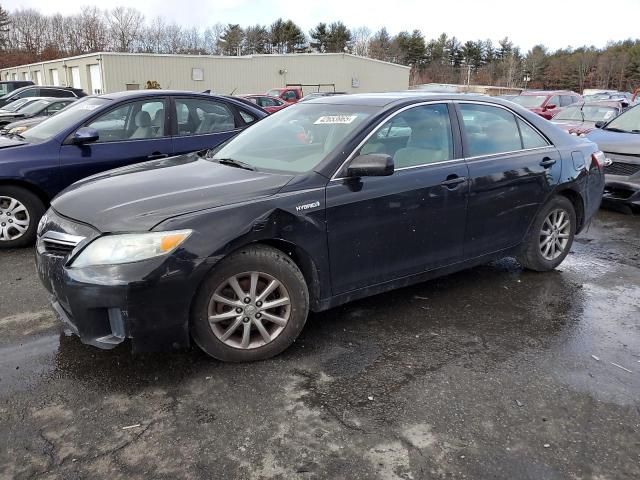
616 142
29 122
138 197
6 142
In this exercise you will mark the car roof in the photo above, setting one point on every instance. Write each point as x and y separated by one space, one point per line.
153 92
548 92
391 98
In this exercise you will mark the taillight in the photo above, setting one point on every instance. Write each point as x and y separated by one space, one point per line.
598 160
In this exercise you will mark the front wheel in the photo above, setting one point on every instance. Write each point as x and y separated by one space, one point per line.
20 212
252 306
548 242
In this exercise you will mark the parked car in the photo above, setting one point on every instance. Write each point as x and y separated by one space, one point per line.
619 139
546 103
624 97
287 94
266 102
44 107
11 85
20 126
233 248
18 104
580 119
41 91
100 133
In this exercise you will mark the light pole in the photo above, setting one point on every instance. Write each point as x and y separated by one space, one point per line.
527 79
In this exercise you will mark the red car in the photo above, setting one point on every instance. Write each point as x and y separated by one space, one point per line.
547 103
269 104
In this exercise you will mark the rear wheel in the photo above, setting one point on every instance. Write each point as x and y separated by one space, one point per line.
251 307
548 242
20 212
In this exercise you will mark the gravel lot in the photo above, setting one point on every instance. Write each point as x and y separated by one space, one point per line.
488 373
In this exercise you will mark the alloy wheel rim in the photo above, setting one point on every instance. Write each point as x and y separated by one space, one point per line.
555 233
14 219
249 310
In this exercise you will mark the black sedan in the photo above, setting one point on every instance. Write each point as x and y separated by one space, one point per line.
44 107
620 140
326 202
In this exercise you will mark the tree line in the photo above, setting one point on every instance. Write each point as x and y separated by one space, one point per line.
27 36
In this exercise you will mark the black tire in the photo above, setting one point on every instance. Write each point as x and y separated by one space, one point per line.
35 209
270 262
531 256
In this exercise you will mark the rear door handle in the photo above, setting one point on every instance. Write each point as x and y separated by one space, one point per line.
547 162
157 155
453 181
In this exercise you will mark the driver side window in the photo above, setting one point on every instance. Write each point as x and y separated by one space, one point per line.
131 121
418 136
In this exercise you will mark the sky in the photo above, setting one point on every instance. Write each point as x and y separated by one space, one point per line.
554 23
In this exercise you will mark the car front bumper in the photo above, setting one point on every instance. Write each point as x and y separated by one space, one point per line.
147 302
622 182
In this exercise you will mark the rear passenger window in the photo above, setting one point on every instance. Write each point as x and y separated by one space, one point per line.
417 136
199 116
530 137
566 100
489 130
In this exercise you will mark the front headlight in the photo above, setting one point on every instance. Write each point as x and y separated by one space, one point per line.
129 247
18 129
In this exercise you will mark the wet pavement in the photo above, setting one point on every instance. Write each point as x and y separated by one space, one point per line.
488 373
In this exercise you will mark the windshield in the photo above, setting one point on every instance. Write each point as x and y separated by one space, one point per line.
35 107
16 105
628 121
588 113
274 92
66 118
529 101
296 139
4 89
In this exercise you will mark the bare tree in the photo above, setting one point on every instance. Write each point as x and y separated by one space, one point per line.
125 26
212 38
93 30
360 38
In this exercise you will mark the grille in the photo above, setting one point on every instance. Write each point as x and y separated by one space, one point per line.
622 168
56 248
58 244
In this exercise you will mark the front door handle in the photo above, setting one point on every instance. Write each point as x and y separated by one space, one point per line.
547 162
157 155
453 181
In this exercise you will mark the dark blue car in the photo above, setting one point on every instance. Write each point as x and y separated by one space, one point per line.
100 133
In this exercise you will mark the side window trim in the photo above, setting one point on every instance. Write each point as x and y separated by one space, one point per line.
457 103
455 133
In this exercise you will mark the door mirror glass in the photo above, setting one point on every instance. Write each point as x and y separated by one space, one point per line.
85 135
550 106
371 165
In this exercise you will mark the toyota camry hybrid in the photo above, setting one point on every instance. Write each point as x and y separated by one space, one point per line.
323 203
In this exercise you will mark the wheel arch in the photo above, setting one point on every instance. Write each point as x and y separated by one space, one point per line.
578 204
303 261
41 194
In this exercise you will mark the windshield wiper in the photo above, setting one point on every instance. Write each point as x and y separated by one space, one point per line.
235 163
614 129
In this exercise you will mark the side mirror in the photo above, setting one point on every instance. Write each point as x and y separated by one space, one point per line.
85 135
600 123
550 106
371 165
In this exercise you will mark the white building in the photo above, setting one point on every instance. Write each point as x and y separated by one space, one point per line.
109 72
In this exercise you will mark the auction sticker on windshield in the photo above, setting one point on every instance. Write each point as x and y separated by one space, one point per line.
329 119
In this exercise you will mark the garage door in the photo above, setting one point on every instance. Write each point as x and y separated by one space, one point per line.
96 79
75 77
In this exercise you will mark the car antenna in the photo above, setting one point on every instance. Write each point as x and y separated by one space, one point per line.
233 91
